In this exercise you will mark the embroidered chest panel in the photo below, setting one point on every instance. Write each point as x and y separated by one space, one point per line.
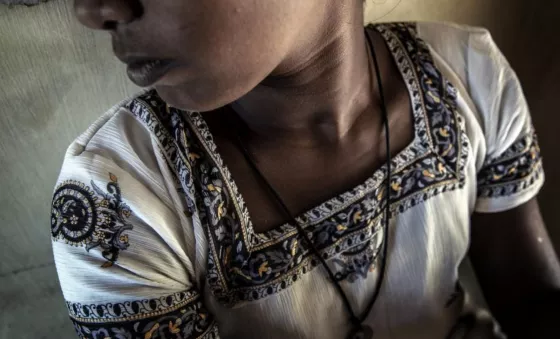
245 266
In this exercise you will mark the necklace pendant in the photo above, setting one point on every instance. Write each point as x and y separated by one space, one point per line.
361 332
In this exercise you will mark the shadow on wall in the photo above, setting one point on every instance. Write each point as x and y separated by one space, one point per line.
21 2
57 78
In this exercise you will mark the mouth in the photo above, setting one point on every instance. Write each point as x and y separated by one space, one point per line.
145 73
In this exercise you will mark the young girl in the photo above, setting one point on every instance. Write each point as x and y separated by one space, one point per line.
290 174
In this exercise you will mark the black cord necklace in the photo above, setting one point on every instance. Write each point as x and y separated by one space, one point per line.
359 331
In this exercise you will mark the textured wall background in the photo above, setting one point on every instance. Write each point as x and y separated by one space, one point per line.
56 78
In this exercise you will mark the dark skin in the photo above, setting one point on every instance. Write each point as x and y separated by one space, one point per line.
300 77
518 270
310 162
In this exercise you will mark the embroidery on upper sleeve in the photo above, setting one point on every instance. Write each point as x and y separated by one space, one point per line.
91 217
516 169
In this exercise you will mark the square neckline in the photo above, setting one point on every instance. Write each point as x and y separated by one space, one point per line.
326 209
238 263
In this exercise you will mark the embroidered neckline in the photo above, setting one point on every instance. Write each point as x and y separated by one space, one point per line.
418 147
244 266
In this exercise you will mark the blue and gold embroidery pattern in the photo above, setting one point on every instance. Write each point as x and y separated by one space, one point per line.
516 169
246 266
180 315
91 217
442 147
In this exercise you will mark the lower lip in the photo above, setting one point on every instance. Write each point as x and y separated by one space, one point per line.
147 73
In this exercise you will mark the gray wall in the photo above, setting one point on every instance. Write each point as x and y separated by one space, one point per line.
56 78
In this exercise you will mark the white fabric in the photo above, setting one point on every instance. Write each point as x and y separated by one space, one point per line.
491 97
166 250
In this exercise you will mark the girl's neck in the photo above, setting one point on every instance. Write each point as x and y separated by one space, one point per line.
318 92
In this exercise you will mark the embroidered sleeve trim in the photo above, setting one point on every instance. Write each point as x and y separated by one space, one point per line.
178 315
518 168
129 310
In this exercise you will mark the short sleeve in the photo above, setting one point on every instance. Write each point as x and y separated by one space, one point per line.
119 244
512 172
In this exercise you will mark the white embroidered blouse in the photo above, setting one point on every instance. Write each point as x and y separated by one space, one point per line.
152 239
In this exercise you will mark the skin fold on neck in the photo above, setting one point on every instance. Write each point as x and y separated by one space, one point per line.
316 95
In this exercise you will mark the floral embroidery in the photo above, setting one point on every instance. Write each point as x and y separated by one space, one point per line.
176 147
442 150
90 217
129 309
517 168
246 266
180 315
357 262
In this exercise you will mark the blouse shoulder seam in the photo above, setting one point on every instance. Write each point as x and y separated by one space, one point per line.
79 145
